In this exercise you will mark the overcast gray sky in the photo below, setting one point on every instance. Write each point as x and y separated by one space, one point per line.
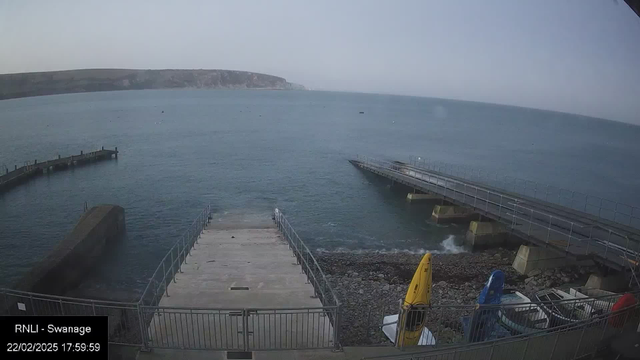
579 56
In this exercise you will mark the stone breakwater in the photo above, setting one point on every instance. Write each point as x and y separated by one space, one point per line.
370 285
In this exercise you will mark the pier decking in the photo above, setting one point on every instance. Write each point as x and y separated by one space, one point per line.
573 233
21 174
241 289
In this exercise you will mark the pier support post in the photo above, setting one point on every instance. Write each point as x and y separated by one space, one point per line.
116 152
483 234
449 213
15 167
35 161
80 152
612 282
531 258
58 156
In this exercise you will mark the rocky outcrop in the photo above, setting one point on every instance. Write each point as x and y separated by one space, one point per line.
88 80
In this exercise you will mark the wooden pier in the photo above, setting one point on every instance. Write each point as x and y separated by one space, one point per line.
21 174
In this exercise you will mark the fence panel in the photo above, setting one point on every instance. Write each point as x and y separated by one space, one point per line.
124 318
568 341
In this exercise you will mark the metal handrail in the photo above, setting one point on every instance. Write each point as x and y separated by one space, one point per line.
463 192
159 284
282 222
454 349
39 296
469 173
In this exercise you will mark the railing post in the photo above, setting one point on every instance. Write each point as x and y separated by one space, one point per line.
464 193
145 345
555 344
600 208
336 329
245 329
164 280
530 222
173 271
33 308
589 240
475 197
400 325
575 355
606 249
570 234
526 347
183 250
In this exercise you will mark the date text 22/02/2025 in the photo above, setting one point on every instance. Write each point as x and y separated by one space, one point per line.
42 336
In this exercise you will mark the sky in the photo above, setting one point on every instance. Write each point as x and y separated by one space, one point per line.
576 56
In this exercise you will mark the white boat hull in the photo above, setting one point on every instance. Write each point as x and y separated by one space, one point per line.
390 329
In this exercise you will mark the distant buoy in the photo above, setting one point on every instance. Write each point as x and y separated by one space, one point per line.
163 111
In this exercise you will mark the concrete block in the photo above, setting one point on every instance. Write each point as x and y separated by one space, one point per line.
416 197
614 282
483 234
450 213
530 258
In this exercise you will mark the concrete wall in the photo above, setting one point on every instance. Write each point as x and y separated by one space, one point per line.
65 266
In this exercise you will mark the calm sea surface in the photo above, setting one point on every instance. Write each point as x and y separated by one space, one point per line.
246 152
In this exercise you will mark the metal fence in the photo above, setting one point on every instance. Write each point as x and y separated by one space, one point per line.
461 324
594 205
307 261
148 325
243 329
172 262
125 325
312 270
573 236
568 341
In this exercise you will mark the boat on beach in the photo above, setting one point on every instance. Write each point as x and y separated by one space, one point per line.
409 327
601 301
563 308
520 315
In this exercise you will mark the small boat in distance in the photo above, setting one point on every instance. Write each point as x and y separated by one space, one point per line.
563 308
521 315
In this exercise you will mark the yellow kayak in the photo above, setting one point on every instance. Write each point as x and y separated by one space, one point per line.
419 294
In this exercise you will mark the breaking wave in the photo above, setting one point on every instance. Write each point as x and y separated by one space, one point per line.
447 246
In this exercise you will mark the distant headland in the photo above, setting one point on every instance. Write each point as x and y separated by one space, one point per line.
90 80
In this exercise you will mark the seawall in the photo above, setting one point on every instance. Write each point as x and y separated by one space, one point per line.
65 266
